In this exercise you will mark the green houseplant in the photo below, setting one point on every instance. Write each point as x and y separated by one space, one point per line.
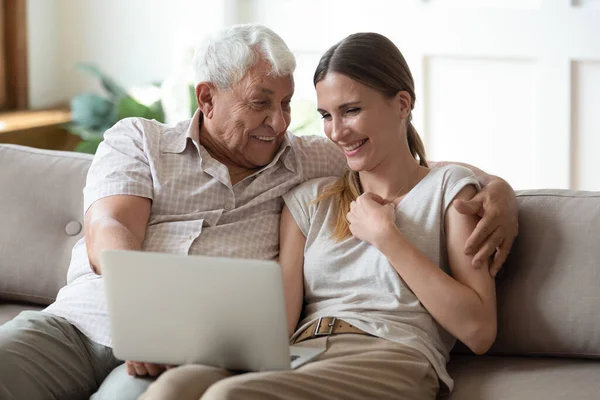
93 114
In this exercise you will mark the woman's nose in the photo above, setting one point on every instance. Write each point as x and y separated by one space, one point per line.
338 130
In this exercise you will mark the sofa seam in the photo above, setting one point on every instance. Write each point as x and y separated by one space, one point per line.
5 292
41 152
558 195
549 354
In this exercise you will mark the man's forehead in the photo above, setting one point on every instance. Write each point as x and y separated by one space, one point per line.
269 84
266 90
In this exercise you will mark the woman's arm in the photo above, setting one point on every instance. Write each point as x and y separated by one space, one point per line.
466 305
291 258
497 230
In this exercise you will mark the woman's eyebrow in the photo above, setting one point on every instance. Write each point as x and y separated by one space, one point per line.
342 106
348 104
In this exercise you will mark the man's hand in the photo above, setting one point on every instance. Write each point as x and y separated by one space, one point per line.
370 219
497 205
135 368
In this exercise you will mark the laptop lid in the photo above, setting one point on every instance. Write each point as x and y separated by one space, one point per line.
177 309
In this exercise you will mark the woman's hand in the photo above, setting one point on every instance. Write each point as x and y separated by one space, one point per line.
497 205
371 220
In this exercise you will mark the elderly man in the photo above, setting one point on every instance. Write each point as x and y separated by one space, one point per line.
211 185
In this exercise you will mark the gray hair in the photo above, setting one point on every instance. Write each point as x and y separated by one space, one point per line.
224 57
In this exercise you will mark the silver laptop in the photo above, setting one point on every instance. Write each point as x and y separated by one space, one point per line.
177 309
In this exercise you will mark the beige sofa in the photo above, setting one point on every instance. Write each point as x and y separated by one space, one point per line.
548 344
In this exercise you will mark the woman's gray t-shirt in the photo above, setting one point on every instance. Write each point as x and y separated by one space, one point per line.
354 281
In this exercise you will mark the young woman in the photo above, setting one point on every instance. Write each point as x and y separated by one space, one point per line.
380 249
373 258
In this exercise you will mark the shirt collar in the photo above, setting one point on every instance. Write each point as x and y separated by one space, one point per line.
285 154
176 139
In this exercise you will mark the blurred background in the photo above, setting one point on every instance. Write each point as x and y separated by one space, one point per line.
511 86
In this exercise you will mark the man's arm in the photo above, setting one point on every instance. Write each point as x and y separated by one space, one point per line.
497 205
119 223
115 223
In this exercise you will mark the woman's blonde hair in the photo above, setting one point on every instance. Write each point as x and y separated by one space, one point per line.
373 60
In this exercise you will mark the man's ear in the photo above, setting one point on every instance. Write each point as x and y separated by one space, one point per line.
205 97
404 102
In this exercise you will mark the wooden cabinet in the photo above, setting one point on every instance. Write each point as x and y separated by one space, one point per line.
41 129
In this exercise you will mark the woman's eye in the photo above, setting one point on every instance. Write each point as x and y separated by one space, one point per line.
325 116
353 111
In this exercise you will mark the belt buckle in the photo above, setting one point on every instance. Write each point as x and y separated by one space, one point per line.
330 325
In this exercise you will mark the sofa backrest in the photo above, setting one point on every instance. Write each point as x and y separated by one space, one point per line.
549 293
41 219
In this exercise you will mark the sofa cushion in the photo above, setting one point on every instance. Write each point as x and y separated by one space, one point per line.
41 207
10 310
549 294
522 378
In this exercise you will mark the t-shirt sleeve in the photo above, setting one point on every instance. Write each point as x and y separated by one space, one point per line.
120 166
300 202
456 177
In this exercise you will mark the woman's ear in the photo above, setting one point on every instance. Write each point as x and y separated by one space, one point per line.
404 102
205 97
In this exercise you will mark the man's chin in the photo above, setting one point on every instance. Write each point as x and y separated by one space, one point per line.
262 157
261 162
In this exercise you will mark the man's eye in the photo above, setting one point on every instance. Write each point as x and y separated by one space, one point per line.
286 104
326 116
260 103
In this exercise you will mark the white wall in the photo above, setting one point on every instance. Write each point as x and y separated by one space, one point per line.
511 86
135 41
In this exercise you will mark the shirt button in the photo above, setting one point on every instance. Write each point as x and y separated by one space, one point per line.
228 206
190 237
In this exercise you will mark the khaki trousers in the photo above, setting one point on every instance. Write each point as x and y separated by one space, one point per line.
43 357
354 366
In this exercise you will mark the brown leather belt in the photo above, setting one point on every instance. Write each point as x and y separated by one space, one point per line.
326 326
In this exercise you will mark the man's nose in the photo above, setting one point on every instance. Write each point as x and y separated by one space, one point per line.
277 121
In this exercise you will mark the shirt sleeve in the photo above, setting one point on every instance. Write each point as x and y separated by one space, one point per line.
456 177
301 202
120 166
337 164
320 157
